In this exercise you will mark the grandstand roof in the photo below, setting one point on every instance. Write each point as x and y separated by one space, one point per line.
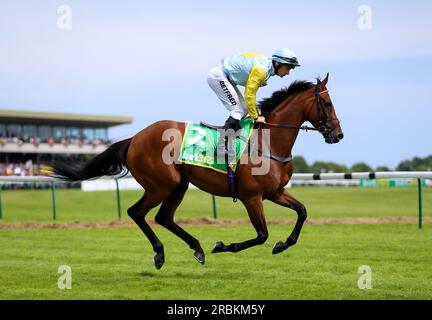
54 118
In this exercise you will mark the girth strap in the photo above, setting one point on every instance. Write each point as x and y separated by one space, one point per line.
273 157
270 155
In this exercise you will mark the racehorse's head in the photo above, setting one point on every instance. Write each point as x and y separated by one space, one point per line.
322 113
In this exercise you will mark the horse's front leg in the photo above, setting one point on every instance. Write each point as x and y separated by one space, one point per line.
255 210
284 198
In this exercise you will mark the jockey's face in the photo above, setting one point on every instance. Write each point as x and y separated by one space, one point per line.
283 70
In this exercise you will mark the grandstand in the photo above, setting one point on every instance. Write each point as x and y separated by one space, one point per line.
30 141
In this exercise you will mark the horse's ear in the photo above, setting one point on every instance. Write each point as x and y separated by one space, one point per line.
324 82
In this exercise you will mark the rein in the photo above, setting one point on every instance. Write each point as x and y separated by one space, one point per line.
288 126
323 128
322 117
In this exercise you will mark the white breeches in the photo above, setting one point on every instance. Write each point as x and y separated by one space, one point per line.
229 94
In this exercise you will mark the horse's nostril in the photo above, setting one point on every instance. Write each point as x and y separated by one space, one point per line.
340 136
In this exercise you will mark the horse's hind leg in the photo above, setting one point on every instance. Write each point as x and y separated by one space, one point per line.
255 210
138 212
165 217
285 199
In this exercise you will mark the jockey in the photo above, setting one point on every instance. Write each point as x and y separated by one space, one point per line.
251 71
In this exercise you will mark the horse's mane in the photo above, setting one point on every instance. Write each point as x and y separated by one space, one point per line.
268 104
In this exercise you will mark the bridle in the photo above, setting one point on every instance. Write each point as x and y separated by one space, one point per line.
323 117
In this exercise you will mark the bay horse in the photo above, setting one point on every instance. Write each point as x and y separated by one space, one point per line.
166 183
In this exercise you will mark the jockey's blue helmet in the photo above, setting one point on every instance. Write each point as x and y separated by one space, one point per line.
285 56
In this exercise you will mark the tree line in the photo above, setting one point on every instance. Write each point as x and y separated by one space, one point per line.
415 164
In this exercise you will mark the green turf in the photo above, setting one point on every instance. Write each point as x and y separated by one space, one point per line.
116 263
75 205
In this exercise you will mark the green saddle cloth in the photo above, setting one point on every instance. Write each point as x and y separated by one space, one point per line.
199 144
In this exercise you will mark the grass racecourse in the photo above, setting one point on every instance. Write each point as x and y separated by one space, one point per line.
348 228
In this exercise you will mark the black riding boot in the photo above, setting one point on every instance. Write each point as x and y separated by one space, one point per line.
225 145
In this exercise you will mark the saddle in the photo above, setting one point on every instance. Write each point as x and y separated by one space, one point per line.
212 126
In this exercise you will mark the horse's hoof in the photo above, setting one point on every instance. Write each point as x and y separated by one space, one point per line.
199 256
159 260
218 247
279 247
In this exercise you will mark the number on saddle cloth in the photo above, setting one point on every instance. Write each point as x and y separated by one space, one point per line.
201 139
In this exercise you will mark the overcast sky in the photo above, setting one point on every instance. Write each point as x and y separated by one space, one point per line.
150 61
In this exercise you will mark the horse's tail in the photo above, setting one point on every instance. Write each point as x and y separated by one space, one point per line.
108 163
